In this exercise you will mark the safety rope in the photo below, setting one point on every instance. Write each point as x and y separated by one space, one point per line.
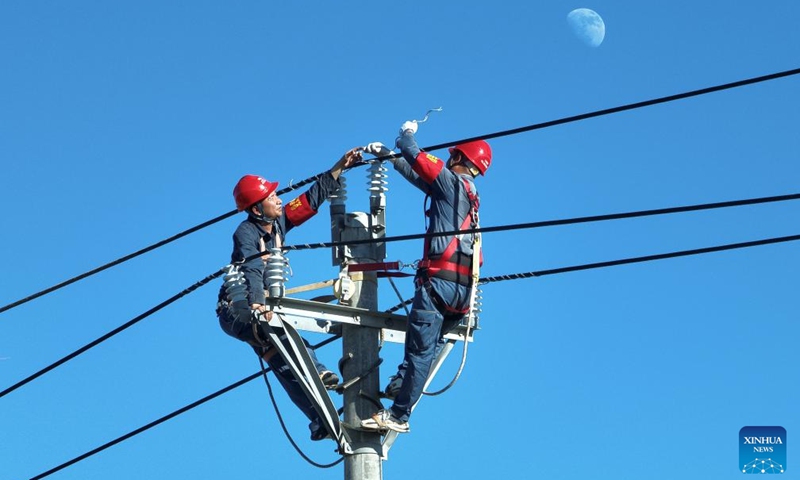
473 293
460 366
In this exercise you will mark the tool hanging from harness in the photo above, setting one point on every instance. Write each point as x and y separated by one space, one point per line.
453 265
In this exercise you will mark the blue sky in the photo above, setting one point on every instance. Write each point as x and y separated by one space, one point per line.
124 123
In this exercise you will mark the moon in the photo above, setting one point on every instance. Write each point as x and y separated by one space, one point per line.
588 26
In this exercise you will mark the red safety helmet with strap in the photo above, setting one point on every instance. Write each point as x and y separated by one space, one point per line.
478 152
251 189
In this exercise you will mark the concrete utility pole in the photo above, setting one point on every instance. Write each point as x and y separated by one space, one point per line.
360 344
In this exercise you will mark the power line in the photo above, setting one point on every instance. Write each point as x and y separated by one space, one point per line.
624 261
553 223
150 248
492 279
504 133
531 225
110 334
148 426
646 258
630 106
169 416
115 262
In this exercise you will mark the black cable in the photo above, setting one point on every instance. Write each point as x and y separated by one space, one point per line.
286 430
550 223
143 251
630 106
492 279
547 223
625 261
169 416
115 262
646 258
110 334
148 426
538 126
408 237
400 305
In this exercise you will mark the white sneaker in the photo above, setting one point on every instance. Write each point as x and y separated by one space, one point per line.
383 420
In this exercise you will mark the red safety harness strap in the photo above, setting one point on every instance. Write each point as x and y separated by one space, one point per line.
459 265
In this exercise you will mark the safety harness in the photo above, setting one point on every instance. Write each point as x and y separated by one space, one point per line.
453 265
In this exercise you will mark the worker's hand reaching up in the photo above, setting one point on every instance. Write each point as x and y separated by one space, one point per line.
351 157
409 125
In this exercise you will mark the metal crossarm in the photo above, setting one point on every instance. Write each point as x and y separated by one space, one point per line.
320 317
292 314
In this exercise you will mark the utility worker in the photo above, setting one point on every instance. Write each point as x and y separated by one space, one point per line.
265 227
444 278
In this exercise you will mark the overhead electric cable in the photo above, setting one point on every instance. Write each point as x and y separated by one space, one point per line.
646 258
504 133
174 414
148 426
624 261
492 279
551 223
623 108
110 334
546 223
115 262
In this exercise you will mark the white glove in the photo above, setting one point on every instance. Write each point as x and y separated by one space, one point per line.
378 149
409 125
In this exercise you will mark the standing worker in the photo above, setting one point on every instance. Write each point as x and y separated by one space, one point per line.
265 227
444 279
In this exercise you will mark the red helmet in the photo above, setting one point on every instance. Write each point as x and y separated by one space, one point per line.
251 189
478 152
